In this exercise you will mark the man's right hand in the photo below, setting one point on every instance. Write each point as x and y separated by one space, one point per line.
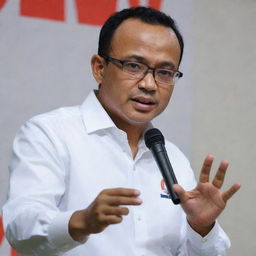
106 209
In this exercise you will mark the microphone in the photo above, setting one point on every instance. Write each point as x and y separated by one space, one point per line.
154 140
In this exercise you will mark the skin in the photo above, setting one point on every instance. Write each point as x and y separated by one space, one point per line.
139 41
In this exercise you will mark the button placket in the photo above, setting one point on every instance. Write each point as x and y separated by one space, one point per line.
140 227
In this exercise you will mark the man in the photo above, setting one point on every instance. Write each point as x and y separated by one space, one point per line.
82 180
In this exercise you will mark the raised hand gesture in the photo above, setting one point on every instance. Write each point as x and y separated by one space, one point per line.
206 201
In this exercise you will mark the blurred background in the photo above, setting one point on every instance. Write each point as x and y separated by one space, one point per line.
45 51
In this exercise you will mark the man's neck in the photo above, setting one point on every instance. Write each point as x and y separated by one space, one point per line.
134 134
133 137
134 131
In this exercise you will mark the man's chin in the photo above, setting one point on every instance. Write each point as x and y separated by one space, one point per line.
140 120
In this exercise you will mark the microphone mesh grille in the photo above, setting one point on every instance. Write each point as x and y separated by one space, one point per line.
153 136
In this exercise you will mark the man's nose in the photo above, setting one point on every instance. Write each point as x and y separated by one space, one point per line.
148 81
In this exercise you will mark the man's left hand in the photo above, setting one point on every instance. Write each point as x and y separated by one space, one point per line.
205 203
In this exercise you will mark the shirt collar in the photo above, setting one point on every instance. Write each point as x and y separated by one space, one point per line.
96 118
94 115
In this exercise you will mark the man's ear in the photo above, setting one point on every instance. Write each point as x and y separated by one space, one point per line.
97 65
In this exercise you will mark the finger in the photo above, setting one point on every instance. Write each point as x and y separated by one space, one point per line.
111 219
123 200
206 168
230 192
220 175
181 193
119 211
122 192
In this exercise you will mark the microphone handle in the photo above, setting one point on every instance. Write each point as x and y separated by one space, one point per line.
163 162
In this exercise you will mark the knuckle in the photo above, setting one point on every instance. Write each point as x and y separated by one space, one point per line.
102 219
125 211
102 197
97 206
98 211
117 200
115 220
100 194
103 192
119 219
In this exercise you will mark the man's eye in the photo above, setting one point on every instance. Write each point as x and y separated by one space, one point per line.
133 66
165 73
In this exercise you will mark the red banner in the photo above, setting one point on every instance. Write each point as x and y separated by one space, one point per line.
88 11
2 2
47 9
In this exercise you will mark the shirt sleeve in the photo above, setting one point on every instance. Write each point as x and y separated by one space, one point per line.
215 243
33 221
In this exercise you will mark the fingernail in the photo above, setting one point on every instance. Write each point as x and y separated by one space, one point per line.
136 192
138 200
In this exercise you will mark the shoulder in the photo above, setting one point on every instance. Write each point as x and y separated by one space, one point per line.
53 126
46 134
57 120
58 116
175 153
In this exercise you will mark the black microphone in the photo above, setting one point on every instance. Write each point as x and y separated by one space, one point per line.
154 140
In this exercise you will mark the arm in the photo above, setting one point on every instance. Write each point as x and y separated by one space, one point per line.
36 219
37 184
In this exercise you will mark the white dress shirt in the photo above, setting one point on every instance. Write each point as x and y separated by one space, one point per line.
63 159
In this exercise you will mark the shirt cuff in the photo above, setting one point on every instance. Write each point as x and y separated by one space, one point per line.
58 234
215 238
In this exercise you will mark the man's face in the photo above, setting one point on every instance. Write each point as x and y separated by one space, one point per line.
133 101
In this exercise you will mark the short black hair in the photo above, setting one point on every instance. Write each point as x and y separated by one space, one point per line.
145 14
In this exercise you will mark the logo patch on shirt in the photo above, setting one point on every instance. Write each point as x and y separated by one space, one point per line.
165 193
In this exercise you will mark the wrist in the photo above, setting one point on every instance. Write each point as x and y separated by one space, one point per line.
77 226
201 230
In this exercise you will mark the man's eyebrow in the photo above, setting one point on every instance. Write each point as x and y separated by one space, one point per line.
167 64
164 64
135 57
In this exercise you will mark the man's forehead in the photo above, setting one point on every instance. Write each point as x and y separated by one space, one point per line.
134 29
135 37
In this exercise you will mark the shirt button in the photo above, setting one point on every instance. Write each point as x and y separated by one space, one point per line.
139 218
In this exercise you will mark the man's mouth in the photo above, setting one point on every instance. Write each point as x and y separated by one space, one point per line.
144 100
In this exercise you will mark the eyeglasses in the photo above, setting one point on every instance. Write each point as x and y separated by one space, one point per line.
140 70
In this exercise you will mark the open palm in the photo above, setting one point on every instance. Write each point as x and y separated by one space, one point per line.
204 203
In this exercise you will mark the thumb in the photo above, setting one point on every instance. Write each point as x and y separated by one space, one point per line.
181 193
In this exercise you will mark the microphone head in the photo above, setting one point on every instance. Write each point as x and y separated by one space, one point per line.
153 136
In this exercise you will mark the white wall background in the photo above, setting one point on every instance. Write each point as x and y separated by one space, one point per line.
45 64
224 106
